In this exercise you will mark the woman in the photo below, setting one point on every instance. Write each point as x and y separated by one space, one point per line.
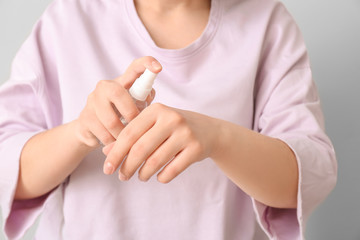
235 95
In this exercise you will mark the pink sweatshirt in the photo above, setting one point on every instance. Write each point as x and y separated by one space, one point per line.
249 67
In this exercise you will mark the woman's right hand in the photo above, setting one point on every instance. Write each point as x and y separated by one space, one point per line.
99 122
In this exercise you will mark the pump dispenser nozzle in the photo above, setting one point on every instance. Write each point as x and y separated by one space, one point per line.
140 89
142 86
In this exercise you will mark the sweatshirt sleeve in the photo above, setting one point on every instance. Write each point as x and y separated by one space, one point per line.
287 107
29 104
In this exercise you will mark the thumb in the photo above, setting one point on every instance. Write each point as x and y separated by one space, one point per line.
136 68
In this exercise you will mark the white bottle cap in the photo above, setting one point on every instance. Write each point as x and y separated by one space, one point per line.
142 86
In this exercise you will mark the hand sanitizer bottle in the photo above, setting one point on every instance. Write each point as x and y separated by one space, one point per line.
140 89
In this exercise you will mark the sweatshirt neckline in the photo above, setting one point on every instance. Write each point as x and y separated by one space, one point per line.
182 53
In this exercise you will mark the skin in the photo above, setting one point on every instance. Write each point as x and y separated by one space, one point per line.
66 145
160 140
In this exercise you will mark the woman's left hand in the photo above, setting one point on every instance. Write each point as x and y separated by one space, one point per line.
162 139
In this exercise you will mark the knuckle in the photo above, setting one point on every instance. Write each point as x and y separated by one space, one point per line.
153 162
138 149
157 107
116 90
142 60
197 148
175 119
110 87
113 123
106 138
187 133
149 58
101 84
136 61
129 134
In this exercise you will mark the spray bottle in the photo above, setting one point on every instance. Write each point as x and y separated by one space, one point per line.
140 90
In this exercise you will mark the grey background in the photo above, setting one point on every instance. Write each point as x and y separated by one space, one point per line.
332 33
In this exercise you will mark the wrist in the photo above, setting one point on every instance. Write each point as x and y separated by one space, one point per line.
227 137
219 144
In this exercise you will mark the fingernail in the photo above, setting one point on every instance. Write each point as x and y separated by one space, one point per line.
108 168
122 177
156 65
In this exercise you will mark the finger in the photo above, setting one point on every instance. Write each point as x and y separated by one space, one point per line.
159 158
109 118
121 103
181 162
113 99
142 149
126 139
150 97
136 68
108 148
100 132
